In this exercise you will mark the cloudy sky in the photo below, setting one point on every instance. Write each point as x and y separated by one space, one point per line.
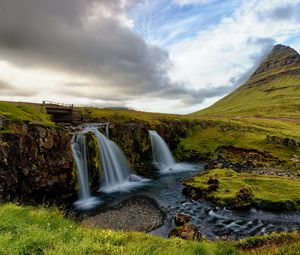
155 55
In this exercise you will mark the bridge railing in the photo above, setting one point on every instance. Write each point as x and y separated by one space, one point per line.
59 105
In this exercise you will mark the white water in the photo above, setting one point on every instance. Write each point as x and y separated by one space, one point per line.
161 153
117 173
163 158
86 201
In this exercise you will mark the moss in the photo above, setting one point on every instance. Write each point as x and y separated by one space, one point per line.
238 190
212 141
94 163
16 113
268 240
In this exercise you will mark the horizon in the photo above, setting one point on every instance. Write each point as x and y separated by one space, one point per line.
176 56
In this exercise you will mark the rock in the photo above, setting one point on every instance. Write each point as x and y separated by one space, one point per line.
181 219
213 183
138 213
1 122
243 199
286 141
34 172
187 232
213 180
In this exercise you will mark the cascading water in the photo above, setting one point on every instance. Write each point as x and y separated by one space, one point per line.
117 173
85 201
162 156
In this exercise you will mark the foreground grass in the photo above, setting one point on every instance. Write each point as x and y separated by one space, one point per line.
268 192
29 230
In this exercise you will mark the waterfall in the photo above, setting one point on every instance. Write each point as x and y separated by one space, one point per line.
79 150
117 173
162 156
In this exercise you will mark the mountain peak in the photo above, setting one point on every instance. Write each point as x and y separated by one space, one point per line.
279 56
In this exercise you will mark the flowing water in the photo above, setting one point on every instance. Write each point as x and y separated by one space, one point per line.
117 175
167 190
214 222
163 159
162 156
86 201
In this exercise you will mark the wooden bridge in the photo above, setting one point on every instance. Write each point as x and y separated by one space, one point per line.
62 113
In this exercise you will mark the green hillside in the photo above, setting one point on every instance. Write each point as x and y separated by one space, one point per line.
272 91
262 118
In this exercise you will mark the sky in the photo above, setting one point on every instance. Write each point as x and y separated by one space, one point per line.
173 56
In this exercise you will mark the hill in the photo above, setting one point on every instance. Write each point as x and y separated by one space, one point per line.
273 90
258 125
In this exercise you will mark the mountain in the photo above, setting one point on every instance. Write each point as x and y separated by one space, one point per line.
273 90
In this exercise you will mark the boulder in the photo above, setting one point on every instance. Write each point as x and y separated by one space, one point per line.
213 183
1 122
187 232
181 219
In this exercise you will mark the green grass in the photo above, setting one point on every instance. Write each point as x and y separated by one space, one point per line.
249 134
28 230
279 97
269 192
32 230
126 116
15 113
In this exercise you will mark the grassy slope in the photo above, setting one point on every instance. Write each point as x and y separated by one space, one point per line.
279 97
25 114
268 191
267 104
27 230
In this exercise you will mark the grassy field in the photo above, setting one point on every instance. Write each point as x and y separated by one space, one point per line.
209 140
267 192
126 116
29 230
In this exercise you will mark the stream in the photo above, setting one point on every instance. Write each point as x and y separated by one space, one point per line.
214 222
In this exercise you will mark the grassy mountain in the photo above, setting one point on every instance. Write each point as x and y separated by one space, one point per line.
262 115
273 90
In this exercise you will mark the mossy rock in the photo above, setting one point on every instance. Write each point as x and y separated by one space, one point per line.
243 190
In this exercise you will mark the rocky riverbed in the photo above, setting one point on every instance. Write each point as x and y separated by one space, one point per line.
138 213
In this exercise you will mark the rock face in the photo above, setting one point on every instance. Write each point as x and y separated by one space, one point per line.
36 163
134 140
280 56
286 141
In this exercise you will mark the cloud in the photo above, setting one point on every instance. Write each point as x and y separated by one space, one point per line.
90 52
90 38
285 12
194 2
13 91
226 54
